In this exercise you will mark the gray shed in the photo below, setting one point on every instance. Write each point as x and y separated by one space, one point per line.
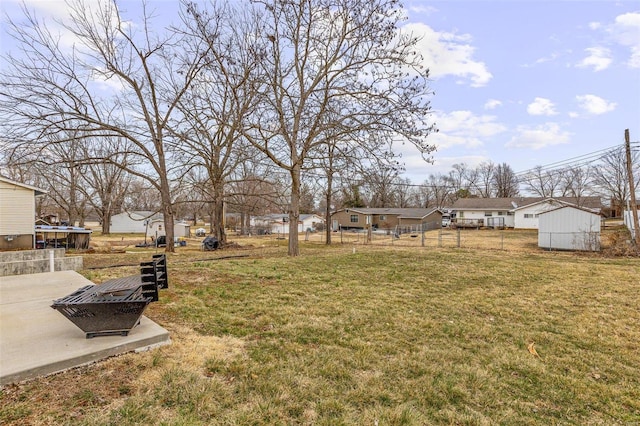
569 228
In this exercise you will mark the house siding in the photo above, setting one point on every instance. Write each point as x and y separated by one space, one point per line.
17 216
523 222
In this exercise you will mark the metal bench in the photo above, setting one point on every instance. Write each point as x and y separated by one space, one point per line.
115 306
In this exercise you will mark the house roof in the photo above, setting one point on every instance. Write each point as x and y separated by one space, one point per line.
38 191
514 203
572 206
400 212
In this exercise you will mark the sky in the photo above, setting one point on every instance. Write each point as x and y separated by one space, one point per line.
526 83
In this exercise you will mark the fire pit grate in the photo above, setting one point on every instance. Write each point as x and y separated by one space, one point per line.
115 306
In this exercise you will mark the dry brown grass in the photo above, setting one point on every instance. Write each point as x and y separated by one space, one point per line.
366 334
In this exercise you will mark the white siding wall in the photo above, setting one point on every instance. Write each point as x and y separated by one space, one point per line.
532 223
17 210
122 223
569 228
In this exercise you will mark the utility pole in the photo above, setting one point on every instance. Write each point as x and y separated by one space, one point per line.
632 189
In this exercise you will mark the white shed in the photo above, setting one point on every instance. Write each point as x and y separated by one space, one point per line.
569 228
134 222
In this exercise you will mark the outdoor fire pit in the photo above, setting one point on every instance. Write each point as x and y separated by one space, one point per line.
115 306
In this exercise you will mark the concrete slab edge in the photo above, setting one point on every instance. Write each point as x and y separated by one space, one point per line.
146 344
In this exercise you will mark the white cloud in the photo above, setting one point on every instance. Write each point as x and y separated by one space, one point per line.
463 128
599 58
595 105
492 104
449 54
595 25
538 137
623 31
541 106
626 31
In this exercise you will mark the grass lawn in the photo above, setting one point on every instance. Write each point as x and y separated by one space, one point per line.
365 335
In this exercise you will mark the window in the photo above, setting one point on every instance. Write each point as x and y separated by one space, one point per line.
530 216
500 213
354 218
488 214
383 217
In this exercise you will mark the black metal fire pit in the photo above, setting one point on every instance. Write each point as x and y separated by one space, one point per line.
115 306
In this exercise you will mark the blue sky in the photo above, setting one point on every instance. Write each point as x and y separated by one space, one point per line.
522 82
528 82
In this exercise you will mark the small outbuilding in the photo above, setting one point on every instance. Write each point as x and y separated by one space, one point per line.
569 228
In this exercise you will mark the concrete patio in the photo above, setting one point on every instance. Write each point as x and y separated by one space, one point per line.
36 340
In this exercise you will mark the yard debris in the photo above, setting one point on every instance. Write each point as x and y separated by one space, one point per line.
532 350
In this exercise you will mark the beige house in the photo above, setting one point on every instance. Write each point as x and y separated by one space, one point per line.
17 214
386 218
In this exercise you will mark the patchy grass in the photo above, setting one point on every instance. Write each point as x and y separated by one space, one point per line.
366 335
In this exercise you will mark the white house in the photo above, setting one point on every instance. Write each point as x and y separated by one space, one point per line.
569 227
496 212
137 222
17 214
279 223
513 212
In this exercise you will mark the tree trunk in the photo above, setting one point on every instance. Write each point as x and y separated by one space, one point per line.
218 209
294 212
167 211
327 216
106 220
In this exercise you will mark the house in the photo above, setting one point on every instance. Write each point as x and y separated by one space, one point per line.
409 219
17 214
492 212
569 227
279 223
137 222
526 216
513 212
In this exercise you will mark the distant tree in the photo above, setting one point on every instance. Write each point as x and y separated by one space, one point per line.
544 183
352 197
576 182
505 181
610 177
104 184
484 183
441 189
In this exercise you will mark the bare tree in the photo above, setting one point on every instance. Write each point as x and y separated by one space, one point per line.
105 184
505 181
214 107
544 183
323 56
50 89
577 182
441 189
610 177
484 179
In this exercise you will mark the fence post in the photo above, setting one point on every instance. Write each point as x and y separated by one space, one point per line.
458 237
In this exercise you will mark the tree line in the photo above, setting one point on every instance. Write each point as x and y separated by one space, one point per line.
254 106
209 107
